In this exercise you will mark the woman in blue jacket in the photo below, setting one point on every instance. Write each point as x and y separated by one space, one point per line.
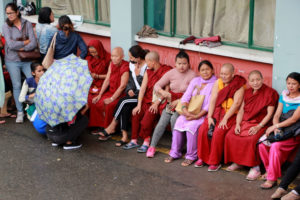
67 40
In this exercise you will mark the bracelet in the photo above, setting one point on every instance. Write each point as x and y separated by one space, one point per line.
159 99
261 125
276 125
111 98
182 107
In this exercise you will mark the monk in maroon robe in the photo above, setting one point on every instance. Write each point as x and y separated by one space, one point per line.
226 98
146 113
102 106
252 120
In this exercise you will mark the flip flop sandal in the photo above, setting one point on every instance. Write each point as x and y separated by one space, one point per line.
187 162
169 159
120 143
267 185
96 131
105 136
142 149
130 145
8 115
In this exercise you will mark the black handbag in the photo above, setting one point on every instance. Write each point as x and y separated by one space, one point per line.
285 133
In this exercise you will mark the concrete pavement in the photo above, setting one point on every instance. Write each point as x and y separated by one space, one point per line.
31 169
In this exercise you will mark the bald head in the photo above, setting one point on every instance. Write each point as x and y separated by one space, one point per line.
255 72
229 67
118 51
227 73
152 56
117 55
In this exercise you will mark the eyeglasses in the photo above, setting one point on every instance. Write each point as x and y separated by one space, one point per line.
11 13
133 62
66 28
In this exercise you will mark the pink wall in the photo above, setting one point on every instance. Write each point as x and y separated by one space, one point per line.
105 40
243 67
167 56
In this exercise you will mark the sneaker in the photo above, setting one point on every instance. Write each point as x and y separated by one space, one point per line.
291 196
54 144
253 174
20 117
278 193
150 153
72 146
199 163
214 168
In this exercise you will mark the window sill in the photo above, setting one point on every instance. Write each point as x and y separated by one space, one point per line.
84 28
224 50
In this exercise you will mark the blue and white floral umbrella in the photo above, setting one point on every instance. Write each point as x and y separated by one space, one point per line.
63 90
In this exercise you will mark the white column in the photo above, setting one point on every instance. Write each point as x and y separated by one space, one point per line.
126 19
286 42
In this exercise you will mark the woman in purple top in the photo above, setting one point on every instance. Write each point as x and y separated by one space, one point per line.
12 31
188 123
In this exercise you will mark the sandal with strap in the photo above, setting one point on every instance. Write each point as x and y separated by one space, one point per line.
130 145
187 162
96 131
169 159
268 185
142 149
8 115
120 143
105 136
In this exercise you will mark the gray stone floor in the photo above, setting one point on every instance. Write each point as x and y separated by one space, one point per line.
31 169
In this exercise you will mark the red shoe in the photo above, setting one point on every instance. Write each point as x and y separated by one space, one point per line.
199 163
214 168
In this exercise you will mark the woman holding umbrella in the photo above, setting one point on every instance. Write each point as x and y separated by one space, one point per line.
67 40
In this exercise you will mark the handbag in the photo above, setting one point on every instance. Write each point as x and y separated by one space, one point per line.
49 58
28 55
195 104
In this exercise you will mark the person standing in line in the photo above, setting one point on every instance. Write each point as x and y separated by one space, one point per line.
13 31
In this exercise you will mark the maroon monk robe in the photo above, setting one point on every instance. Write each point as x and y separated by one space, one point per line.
101 114
242 149
143 123
211 150
97 65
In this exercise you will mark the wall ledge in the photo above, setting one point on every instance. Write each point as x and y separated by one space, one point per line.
224 50
94 29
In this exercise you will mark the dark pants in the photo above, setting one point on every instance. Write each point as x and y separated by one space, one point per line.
62 133
123 111
291 174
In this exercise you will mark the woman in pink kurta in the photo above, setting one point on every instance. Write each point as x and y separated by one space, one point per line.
187 124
